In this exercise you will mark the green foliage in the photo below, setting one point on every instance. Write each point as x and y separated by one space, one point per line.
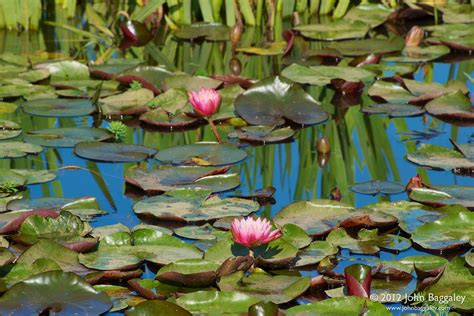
135 85
118 129
8 187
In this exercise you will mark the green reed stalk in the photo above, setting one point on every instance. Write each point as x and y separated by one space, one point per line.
247 12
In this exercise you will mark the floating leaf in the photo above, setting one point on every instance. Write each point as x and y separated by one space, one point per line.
368 241
332 31
204 232
454 105
30 176
67 70
439 157
371 13
390 92
417 54
265 134
272 100
204 154
193 205
172 101
348 305
9 129
393 109
59 107
157 308
66 136
190 83
268 49
218 303
319 217
18 149
315 252
322 75
63 292
161 118
6 108
378 187
113 152
449 232
278 289
128 103
192 273
171 178
368 46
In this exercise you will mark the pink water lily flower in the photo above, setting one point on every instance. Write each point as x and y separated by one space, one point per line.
252 232
205 101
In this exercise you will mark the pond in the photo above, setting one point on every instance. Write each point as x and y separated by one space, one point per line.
355 139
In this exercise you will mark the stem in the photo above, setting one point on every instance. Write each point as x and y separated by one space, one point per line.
214 129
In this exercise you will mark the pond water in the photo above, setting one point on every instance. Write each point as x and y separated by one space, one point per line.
364 147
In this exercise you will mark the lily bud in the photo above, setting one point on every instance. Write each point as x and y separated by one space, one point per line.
358 280
235 34
323 146
235 66
414 37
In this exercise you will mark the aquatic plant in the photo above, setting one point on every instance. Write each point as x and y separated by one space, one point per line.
206 102
251 232
118 129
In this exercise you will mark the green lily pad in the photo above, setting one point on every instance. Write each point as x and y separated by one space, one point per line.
204 232
6 257
7 108
86 208
348 305
157 308
216 303
171 178
439 157
417 54
193 205
67 70
322 75
368 242
9 129
368 46
66 136
268 49
34 75
454 105
20 177
208 31
265 134
228 95
470 259
59 107
336 30
425 88
451 231
456 281
11 275
162 118
66 229
147 244
121 296
204 154
278 289
172 101
390 92
319 217
18 149
130 102
384 70
378 187
272 100
192 273
371 13
315 252
65 292
394 109
190 83
113 152
295 235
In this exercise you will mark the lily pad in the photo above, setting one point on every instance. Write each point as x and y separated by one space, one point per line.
348 305
18 272
378 187
67 70
272 100
393 109
204 154
449 232
204 232
161 118
128 103
6 257
192 273
208 31
18 149
193 205
121 296
319 217
157 308
59 107
390 92
315 252
66 136
9 129
65 292
190 83
6 108
371 13
217 303
454 105
29 176
171 178
418 54
368 46
113 152
336 30
265 134
368 241
439 157
268 49
322 75
172 101
278 289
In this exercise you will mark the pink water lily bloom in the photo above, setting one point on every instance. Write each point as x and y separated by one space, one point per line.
252 232
205 101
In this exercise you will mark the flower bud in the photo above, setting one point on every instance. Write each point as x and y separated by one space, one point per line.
323 146
235 33
414 37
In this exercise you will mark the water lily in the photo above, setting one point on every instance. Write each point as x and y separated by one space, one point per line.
206 102
358 280
414 37
251 232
